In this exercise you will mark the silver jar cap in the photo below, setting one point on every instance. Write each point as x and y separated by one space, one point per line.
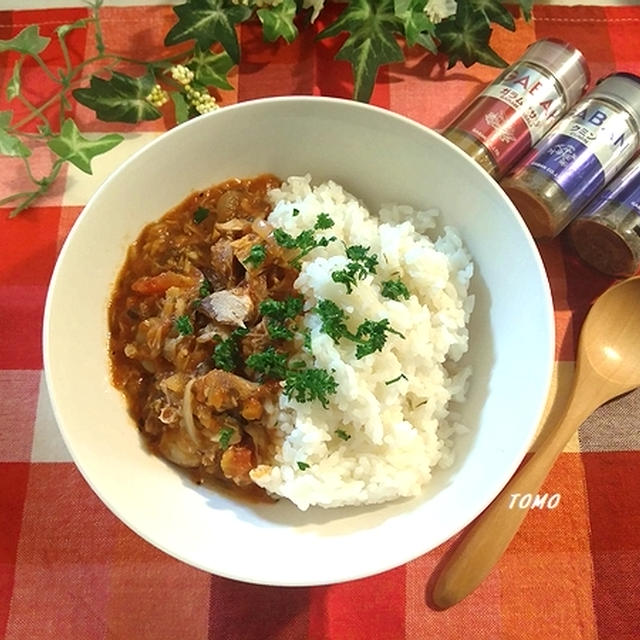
565 62
623 88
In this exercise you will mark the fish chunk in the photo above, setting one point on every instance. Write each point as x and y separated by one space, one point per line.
228 307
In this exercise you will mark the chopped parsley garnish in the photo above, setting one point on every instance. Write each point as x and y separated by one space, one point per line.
341 433
256 256
224 437
205 288
295 212
270 363
278 312
303 466
305 241
305 384
183 325
396 379
306 340
371 336
226 353
282 310
200 215
395 289
324 221
278 331
360 265
333 320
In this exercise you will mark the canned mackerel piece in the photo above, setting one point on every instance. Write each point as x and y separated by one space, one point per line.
578 157
521 105
606 234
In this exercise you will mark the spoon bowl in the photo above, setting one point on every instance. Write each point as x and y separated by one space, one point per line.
610 337
607 365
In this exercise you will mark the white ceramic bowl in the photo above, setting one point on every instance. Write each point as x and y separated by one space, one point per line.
379 157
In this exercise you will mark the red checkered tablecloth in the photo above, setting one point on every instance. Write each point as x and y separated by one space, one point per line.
70 569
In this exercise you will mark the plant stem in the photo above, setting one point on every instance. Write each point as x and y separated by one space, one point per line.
37 112
44 67
30 196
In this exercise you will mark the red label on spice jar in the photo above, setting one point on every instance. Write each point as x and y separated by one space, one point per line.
499 128
513 113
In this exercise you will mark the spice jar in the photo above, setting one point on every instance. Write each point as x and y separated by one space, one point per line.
578 157
607 233
521 105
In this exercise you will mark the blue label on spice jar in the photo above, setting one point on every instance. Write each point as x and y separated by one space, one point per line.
572 166
624 190
586 149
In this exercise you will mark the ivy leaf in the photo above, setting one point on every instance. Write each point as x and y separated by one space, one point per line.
465 37
418 28
13 86
12 146
277 21
208 22
122 98
28 41
494 11
371 43
72 146
64 29
180 106
211 69
526 6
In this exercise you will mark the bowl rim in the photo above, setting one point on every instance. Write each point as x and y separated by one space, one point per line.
399 559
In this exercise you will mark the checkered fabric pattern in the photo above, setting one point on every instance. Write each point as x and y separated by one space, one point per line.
70 569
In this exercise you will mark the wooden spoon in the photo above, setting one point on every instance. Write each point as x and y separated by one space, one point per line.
607 365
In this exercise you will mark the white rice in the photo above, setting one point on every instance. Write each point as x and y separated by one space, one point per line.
401 431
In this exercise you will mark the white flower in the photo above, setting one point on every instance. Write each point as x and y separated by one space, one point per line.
438 10
158 96
201 101
317 7
181 74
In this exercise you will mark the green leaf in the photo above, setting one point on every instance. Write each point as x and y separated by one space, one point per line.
208 22
13 86
28 41
418 28
277 21
526 6
122 98
465 37
12 146
211 69
64 29
371 43
494 11
180 106
72 146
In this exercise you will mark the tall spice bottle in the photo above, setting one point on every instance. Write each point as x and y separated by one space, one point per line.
521 105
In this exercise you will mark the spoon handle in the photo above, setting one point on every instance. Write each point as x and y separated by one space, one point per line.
488 537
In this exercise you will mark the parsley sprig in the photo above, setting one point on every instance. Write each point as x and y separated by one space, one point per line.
269 363
183 325
306 240
394 290
370 336
360 265
306 384
279 314
226 354
256 256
